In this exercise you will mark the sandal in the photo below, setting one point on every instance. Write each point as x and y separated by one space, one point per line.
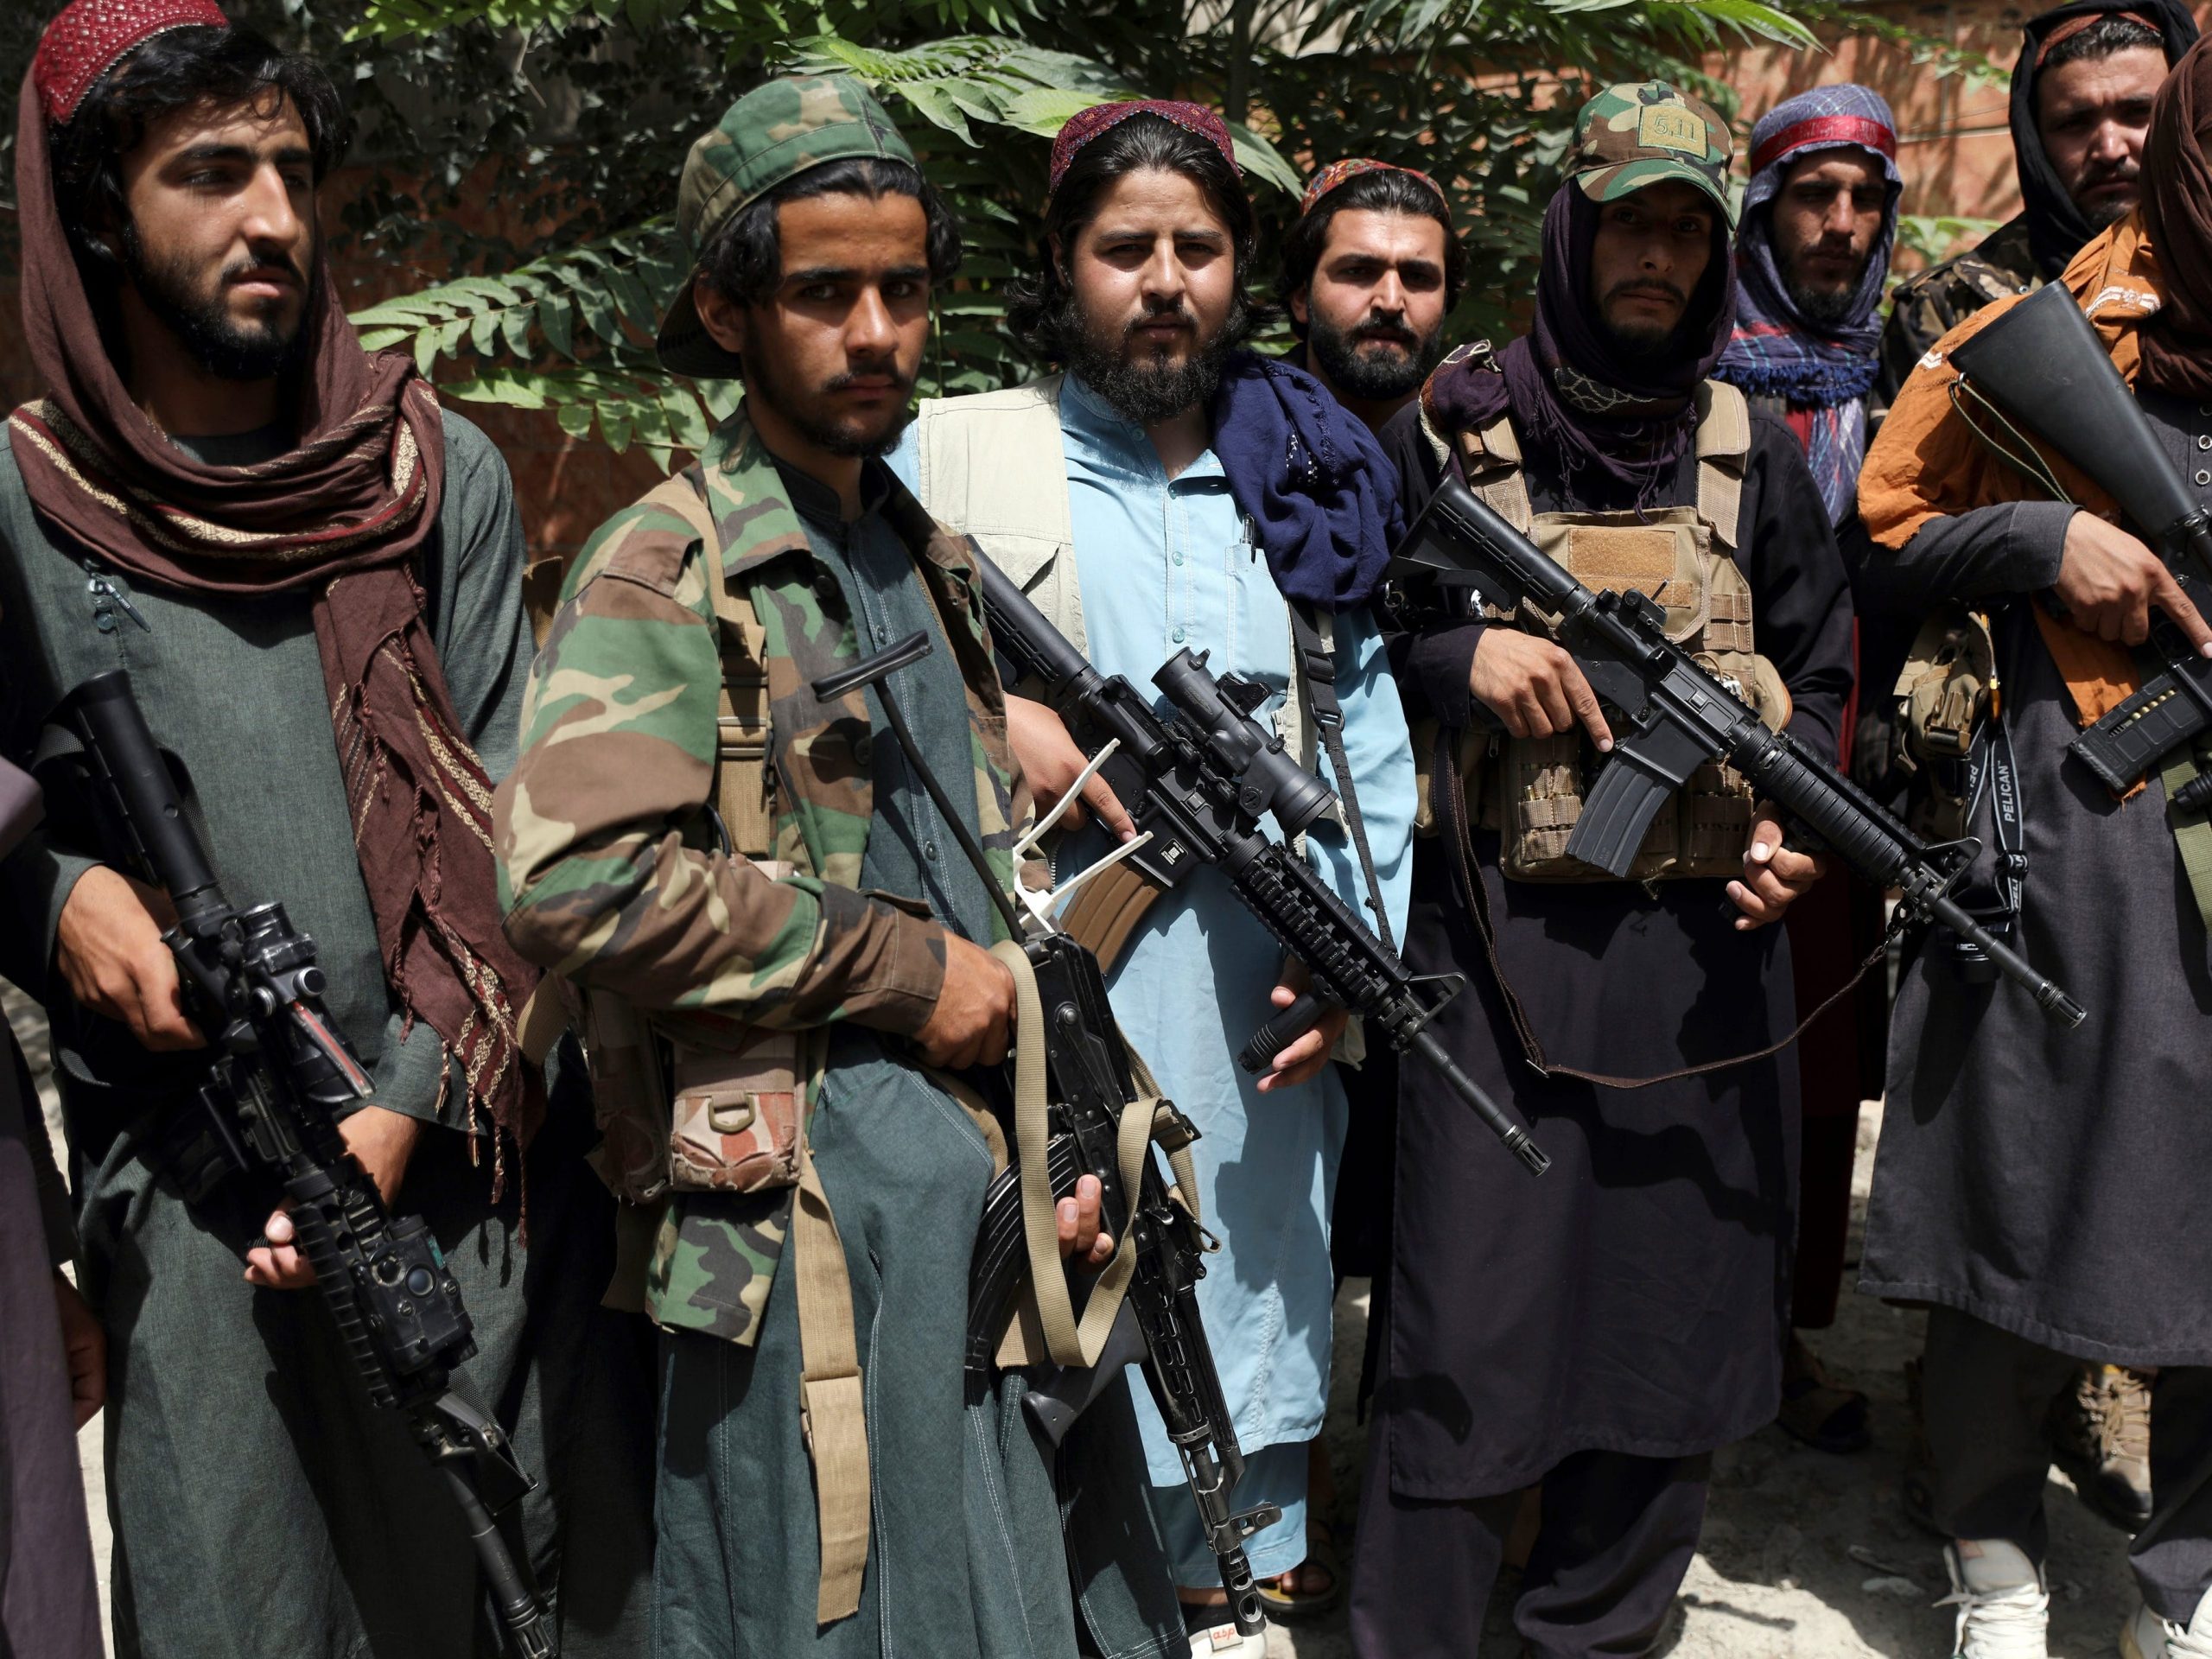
1303 1605
1818 1410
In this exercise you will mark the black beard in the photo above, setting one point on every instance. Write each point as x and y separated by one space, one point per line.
217 342
1376 379
1149 389
1824 306
1645 346
802 414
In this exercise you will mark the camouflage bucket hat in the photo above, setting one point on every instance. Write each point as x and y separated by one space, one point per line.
773 133
1633 134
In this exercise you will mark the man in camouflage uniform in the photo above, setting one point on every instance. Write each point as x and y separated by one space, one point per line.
760 569
2080 104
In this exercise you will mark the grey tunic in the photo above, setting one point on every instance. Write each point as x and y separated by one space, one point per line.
260 1506
2034 1178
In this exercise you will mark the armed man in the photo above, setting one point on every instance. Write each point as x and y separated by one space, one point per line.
1142 294
1820 215
745 868
2028 1178
1370 272
2081 100
2081 105
311 573
1603 1329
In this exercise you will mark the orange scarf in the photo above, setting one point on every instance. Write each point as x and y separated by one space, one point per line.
1927 463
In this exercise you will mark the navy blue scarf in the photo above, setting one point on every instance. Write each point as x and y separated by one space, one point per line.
1312 478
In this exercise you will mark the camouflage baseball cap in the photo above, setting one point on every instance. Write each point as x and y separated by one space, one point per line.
772 133
1633 134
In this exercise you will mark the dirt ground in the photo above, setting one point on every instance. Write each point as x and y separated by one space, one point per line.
1804 1556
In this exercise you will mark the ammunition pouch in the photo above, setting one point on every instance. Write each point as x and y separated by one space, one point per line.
1944 695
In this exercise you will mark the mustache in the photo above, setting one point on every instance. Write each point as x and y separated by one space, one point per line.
1648 285
1155 314
885 370
1386 327
261 267
2112 173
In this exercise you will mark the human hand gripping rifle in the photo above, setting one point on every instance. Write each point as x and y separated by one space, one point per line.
1196 787
1084 1106
280 1074
2041 369
1675 716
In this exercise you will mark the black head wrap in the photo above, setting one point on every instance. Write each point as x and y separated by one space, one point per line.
2057 228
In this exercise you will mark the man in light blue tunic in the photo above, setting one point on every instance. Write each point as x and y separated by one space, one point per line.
1168 492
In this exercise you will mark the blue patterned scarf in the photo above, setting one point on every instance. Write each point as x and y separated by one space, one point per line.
1824 370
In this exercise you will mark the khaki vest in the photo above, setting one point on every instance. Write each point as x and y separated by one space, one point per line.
992 467
1530 790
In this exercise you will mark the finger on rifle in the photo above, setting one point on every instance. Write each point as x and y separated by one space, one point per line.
1586 707
2175 603
1755 909
1099 795
158 1020
1766 840
1558 707
1796 868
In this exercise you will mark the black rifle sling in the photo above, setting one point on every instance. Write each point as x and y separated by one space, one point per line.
1449 805
1320 666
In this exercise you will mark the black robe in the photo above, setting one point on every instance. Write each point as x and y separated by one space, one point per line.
2044 1180
1633 1299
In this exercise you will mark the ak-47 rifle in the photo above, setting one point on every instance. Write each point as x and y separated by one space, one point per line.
280 1075
1087 1126
1674 717
1196 787
2043 369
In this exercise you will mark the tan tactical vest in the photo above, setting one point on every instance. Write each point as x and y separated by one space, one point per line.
1530 790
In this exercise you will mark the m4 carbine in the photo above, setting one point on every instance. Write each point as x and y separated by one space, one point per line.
280 1075
1196 787
2041 366
1088 1127
1674 717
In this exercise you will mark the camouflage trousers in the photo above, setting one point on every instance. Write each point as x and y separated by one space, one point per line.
981 1543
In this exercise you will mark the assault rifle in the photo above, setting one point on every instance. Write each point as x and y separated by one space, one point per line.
2042 367
1091 1090
1196 787
280 1074
1674 717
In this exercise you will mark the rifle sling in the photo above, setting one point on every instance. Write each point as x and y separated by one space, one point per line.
1320 666
1449 805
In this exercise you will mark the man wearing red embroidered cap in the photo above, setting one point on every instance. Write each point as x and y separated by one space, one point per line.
1370 272
312 574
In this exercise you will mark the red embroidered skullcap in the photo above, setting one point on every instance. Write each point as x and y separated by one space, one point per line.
1086 125
1337 173
91 36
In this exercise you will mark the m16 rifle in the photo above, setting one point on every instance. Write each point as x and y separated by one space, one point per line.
1088 1122
280 1075
1674 717
1196 787
2042 367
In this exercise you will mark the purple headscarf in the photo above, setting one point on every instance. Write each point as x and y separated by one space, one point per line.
1573 391
1823 368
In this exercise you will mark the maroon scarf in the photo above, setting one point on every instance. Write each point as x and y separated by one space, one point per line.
340 518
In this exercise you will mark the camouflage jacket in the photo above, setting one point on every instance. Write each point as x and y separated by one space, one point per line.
1928 307
605 871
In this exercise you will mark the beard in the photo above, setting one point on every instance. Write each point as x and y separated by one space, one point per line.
1825 306
860 437
259 348
1373 376
1140 381
2103 213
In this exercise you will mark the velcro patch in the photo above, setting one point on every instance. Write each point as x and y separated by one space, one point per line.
1669 126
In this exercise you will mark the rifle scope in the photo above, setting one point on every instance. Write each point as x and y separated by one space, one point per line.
1268 779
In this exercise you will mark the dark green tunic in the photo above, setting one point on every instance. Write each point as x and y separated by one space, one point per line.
260 1506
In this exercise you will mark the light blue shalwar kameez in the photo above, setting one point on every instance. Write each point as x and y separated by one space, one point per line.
1166 564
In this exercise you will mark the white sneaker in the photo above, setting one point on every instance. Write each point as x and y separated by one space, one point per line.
1222 1641
2004 1610
2146 1635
